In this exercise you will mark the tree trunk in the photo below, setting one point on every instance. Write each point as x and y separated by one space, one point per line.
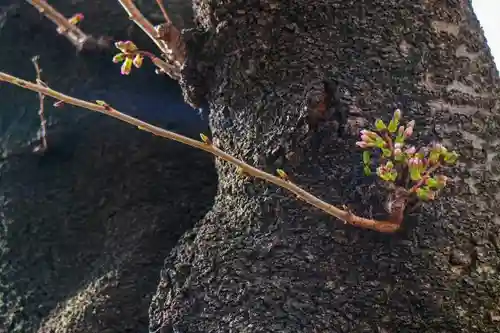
262 261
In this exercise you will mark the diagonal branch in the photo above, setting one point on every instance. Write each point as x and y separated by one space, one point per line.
74 34
390 226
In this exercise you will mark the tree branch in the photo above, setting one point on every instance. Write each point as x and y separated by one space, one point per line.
389 226
163 11
74 34
166 36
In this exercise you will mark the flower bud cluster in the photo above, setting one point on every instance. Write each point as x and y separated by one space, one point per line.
404 164
129 56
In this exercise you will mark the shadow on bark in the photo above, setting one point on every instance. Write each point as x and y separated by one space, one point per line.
85 227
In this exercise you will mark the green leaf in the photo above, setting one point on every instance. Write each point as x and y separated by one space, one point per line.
393 125
423 194
415 174
118 58
380 125
367 170
393 175
386 152
434 156
431 183
451 158
426 193
366 157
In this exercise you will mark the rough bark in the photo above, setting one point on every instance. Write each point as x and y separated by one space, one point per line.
260 261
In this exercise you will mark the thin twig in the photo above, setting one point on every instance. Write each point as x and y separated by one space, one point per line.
74 34
43 129
346 216
135 15
163 11
163 66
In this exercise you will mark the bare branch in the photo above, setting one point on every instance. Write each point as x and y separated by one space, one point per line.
390 226
43 129
74 34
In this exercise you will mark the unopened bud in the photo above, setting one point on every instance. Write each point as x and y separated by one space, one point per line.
409 129
138 60
126 66
58 104
75 19
119 57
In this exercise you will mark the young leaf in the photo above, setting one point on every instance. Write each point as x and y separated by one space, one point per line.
126 66
119 57
431 183
367 171
394 123
425 193
380 125
451 158
366 157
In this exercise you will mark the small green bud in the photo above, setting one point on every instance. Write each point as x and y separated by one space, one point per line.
205 139
386 152
282 174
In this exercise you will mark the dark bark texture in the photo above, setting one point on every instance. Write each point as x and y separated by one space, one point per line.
261 261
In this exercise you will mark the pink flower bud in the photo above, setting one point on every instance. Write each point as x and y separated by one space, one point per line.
364 144
408 132
401 130
414 162
398 145
365 138
370 134
410 151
